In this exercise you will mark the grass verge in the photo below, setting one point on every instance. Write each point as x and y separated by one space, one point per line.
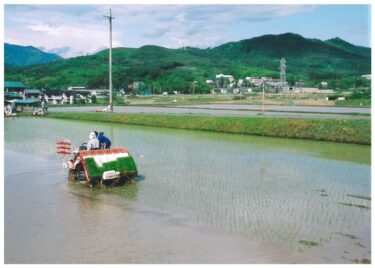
335 130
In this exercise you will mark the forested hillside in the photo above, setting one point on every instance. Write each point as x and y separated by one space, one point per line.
335 61
26 55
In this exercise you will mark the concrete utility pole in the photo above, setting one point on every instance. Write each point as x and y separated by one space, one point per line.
263 98
110 18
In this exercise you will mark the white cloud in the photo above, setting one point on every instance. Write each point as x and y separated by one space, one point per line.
156 32
59 50
74 35
83 28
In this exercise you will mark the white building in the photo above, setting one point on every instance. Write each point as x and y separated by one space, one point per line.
256 81
324 84
366 76
311 90
218 90
53 96
76 88
229 77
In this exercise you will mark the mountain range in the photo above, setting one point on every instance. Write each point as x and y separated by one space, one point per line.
16 55
312 60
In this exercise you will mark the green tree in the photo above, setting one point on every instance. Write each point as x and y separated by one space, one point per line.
93 99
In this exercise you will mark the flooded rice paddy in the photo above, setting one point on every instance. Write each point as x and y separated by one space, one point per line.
200 198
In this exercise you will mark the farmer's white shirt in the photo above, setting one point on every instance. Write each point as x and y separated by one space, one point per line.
93 144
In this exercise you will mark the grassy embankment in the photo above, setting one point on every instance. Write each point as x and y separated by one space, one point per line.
335 130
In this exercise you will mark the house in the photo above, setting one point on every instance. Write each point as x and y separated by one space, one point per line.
128 90
212 82
12 96
326 91
274 83
75 88
53 96
118 92
76 96
218 90
311 90
20 105
242 90
324 84
337 98
256 81
11 86
84 95
225 76
366 76
99 93
32 93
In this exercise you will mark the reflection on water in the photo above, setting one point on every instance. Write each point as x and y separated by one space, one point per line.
128 190
284 193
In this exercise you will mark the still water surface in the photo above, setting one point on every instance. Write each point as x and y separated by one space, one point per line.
200 198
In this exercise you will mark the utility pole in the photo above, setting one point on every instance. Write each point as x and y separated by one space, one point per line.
282 74
263 99
110 18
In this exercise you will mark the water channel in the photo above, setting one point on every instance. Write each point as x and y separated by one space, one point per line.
200 198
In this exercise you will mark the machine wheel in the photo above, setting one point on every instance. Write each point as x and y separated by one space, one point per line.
72 175
80 173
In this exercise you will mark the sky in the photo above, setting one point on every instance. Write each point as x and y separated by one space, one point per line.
74 30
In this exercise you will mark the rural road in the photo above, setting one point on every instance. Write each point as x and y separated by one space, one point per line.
235 110
312 109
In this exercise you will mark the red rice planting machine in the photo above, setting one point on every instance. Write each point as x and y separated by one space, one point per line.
103 166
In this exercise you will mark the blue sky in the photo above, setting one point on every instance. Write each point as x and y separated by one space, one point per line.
72 30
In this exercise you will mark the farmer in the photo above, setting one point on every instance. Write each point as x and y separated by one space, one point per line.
93 142
43 104
104 141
